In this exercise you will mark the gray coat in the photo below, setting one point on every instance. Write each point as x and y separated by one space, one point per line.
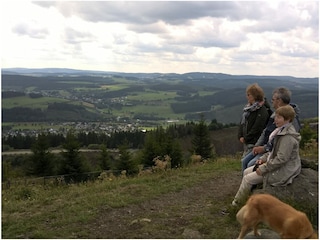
284 163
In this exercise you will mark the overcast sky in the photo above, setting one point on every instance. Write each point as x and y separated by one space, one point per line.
240 38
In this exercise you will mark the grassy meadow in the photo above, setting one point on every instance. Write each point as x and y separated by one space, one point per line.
202 194
37 211
26 101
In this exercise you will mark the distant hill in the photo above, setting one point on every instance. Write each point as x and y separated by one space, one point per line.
217 95
191 76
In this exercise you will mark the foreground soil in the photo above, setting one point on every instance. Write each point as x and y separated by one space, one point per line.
202 211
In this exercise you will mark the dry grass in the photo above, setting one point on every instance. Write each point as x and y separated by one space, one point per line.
38 211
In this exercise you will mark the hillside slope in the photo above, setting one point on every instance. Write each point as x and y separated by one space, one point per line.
201 212
185 203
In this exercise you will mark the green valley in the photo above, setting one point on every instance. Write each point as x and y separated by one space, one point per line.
151 99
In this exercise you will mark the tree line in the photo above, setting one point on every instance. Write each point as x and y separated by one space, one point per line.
159 143
135 138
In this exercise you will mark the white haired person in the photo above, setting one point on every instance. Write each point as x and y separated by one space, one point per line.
280 166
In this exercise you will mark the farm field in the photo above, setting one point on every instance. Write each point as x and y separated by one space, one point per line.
26 101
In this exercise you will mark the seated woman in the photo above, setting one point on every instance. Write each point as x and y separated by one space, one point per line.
280 166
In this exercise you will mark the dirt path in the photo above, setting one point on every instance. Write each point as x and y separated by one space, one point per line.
202 211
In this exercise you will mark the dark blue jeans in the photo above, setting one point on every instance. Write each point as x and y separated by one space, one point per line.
249 160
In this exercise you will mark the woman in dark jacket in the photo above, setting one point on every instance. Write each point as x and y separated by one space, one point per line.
254 118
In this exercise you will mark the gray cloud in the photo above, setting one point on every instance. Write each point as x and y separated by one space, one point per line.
197 34
73 36
144 12
144 16
31 31
147 28
174 12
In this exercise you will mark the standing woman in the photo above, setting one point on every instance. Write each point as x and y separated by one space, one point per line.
254 118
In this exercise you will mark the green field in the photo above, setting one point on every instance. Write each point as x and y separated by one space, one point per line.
149 95
28 102
148 103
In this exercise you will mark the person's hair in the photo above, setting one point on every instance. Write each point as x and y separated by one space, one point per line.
284 94
256 91
287 112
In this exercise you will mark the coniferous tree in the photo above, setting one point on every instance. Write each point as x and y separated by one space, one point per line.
151 149
83 138
160 143
214 125
41 160
176 154
201 140
155 145
126 161
55 139
73 161
105 158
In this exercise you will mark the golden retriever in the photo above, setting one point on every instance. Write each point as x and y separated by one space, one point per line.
279 216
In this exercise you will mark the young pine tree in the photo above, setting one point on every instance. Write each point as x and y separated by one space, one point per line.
159 143
151 149
126 161
41 160
105 158
73 161
201 140
176 154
